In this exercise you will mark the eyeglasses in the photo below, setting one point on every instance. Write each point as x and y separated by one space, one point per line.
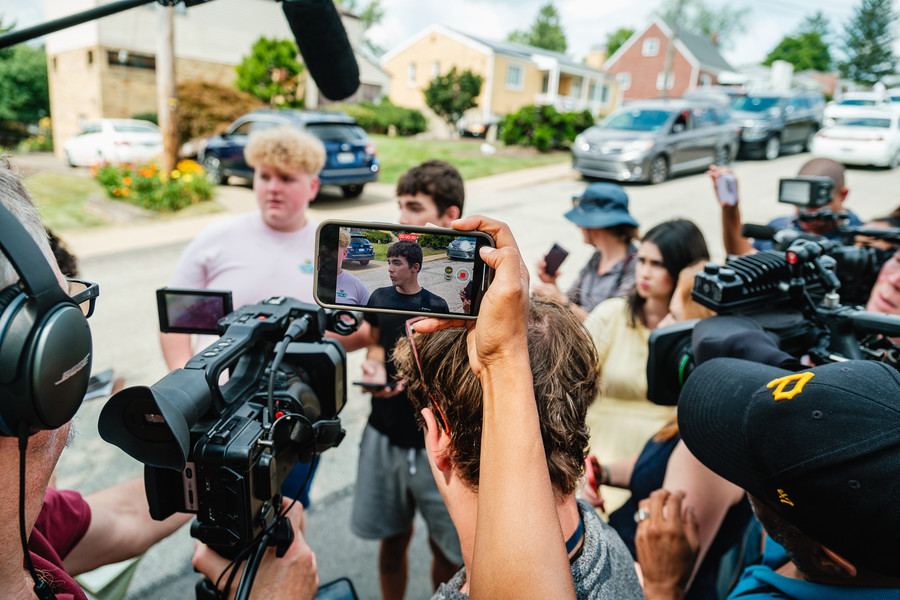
84 294
412 344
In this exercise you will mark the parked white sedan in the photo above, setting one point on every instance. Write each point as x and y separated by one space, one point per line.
115 141
863 136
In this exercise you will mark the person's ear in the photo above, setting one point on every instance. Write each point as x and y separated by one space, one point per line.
452 213
314 187
834 562
436 441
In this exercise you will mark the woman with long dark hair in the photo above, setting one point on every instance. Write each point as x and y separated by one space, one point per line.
621 418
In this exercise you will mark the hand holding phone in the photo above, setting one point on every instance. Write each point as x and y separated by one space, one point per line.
726 189
594 476
554 259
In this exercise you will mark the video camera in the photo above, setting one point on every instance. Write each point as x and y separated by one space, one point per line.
793 296
222 450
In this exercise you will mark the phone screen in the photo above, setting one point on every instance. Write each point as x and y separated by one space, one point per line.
192 311
383 267
726 186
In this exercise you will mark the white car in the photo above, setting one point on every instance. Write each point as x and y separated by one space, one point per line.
861 135
850 100
114 141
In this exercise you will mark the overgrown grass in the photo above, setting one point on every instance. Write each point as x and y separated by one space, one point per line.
397 154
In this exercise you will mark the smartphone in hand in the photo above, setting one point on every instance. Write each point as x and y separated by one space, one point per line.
554 258
726 187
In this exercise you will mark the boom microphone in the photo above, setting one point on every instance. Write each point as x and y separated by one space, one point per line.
323 42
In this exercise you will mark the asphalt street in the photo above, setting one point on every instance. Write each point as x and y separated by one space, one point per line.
130 261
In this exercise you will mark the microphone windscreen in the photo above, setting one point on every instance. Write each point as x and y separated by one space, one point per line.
759 232
323 42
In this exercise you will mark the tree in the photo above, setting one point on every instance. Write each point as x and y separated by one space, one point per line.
615 40
370 15
452 94
807 47
24 91
718 25
867 43
272 73
546 32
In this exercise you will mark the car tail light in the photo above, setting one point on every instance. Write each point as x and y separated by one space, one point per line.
371 149
121 142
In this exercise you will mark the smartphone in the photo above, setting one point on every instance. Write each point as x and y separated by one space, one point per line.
554 258
339 589
428 268
726 187
192 311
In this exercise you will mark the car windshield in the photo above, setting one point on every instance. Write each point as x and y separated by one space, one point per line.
754 103
862 122
358 239
336 132
858 102
637 119
135 128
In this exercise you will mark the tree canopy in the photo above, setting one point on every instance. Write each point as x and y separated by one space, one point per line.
24 91
546 32
271 72
720 25
807 47
867 42
615 39
452 94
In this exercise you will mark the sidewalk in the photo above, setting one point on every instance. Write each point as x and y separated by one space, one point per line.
239 199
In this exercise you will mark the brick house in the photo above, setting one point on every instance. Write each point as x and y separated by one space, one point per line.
514 75
107 67
639 63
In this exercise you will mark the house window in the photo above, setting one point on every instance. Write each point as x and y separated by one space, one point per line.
411 75
604 94
123 58
90 57
651 47
435 69
624 80
54 63
705 80
514 77
661 77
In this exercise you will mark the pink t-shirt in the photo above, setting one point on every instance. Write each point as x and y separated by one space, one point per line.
244 255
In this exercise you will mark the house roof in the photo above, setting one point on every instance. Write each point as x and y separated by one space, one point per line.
704 51
512 49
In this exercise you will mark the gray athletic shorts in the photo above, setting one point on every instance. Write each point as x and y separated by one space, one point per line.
391 483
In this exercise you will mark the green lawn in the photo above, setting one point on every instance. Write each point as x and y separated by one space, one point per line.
397 154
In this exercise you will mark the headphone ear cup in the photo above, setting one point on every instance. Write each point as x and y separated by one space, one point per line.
45 362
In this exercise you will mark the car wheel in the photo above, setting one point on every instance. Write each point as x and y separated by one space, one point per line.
773 148
213 167
722 156
352 191
659 170
808 141
363 262
69 160
895 161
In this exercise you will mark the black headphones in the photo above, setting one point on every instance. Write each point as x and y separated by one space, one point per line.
45 341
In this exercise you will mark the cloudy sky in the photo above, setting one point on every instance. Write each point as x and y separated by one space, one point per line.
586 22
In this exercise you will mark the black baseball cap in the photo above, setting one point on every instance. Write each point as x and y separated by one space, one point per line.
821 447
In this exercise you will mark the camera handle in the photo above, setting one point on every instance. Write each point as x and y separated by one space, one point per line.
280 535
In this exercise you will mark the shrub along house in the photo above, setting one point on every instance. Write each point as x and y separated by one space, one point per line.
639 64
514 75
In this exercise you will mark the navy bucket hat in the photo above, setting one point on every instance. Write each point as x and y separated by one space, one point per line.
601 205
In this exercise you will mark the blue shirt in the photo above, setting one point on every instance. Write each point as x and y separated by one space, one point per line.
761 582
791 222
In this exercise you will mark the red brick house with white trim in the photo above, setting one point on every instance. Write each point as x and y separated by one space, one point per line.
639 63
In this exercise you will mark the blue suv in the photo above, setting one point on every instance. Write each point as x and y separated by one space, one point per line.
360 249
350 155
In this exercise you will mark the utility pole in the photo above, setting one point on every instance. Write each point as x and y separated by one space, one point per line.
166 97
670 50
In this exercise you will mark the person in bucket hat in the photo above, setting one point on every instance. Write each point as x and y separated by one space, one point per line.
818 452
601 211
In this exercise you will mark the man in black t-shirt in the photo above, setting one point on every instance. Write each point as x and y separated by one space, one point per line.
404 264
394 479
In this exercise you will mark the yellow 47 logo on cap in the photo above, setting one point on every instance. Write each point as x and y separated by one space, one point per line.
798 379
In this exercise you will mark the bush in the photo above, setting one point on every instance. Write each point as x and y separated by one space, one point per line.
378 237
437 242
378 118
543 127
40 141
207 108
148 187
147 116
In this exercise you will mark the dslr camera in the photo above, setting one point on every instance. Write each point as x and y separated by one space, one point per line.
219 436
